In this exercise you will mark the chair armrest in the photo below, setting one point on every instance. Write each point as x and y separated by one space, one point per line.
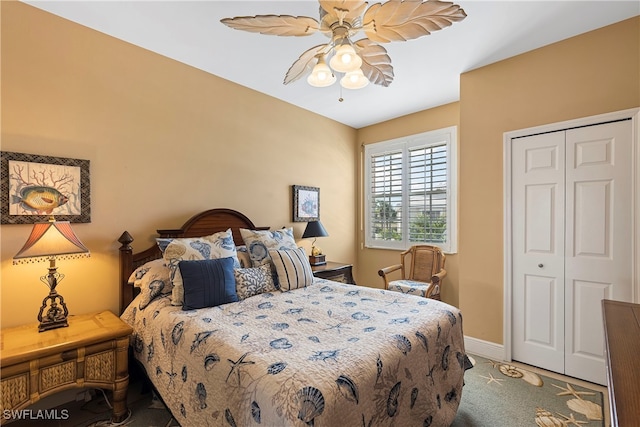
430 292
383 272
434 288
437 278
387 270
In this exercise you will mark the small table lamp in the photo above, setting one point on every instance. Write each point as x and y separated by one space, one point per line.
315 229
51 240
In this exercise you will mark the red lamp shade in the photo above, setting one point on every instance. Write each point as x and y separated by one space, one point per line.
54 238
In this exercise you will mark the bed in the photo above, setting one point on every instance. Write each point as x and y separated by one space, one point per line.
324 354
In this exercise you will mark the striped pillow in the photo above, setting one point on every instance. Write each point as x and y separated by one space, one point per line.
293 268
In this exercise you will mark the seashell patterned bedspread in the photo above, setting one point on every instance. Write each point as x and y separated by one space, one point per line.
326 355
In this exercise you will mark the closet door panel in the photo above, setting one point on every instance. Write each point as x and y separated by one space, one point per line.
540 316
538 250
592 224
599 239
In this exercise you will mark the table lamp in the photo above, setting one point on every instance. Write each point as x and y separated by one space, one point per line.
315 229
50 241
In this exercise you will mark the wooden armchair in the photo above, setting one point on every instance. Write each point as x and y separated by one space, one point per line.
421 274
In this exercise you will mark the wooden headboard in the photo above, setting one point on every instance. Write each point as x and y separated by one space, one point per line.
202 224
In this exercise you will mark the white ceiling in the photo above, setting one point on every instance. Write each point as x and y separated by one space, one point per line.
426 70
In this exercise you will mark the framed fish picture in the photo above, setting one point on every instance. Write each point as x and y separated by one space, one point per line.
306 203
34 187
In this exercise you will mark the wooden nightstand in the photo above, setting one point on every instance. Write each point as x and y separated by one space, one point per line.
90 352
336 271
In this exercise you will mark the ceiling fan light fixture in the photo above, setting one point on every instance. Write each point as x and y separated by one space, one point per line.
354 80
345 59
321 76
340 20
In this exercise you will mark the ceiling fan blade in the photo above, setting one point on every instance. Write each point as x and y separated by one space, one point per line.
305 63
398 20
344 9
376 64
275 25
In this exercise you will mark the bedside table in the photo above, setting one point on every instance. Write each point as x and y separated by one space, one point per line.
336 271
91 352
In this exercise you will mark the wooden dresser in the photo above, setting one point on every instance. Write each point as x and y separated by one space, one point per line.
622 335
90 352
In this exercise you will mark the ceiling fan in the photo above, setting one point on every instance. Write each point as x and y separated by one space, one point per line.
364 60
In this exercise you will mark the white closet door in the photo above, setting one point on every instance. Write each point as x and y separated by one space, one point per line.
599 239
538 250
572 207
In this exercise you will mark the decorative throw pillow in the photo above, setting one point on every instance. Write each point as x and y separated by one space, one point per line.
253 281
163 242
208 283
293 268
259 242
243 256
215 246
153 278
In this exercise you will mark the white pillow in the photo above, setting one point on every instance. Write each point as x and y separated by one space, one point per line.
243 256
258 243
153 279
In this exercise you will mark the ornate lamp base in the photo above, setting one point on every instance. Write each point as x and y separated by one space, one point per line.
57 312
47 325
56 316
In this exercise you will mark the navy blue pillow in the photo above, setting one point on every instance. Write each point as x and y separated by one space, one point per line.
208 283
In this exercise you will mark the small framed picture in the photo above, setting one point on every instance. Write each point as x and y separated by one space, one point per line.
33 188
306 203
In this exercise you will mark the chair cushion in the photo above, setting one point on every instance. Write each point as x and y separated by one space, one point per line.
412 287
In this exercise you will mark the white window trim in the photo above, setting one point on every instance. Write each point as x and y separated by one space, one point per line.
448 134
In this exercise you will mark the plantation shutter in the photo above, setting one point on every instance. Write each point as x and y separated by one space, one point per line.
386 196
427 194
411 191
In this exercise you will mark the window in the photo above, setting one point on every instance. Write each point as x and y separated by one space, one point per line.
411 191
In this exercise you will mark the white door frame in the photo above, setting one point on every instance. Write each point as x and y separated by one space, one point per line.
634 115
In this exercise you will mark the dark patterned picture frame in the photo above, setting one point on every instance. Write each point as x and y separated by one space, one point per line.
306 203
29 181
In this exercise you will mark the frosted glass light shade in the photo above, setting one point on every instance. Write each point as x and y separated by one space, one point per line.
345 59
354 80
321 76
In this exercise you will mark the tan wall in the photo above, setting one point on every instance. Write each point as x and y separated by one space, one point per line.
591 74
165 141
371 260
68 91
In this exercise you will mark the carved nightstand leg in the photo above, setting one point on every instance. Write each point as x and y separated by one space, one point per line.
121 383
120 410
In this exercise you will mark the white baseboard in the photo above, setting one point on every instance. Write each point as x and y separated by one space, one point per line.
482 348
